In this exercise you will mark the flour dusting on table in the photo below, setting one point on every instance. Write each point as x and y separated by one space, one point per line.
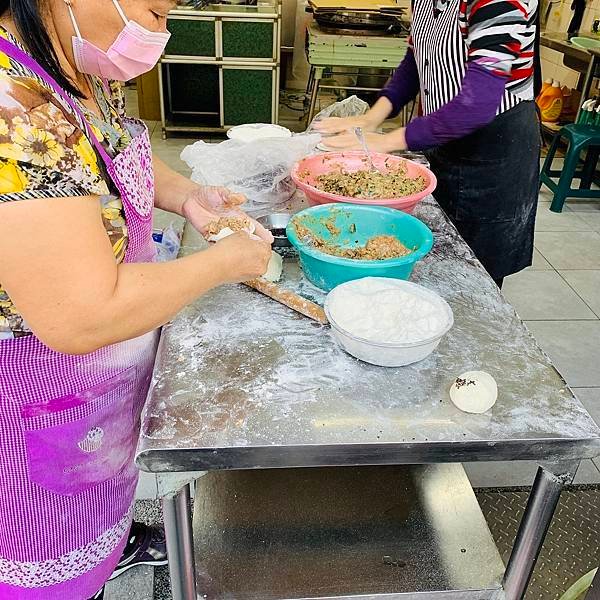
237 370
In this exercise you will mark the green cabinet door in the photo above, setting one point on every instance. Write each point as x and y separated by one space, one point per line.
247 95
192 89
191 37
244 39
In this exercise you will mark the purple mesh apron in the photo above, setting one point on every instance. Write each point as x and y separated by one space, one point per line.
69 424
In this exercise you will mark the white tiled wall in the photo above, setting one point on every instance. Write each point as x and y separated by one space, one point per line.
592 12
559 19
553 68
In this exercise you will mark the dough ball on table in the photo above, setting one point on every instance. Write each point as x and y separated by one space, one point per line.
474 392
275 268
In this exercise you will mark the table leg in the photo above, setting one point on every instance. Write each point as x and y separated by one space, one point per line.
311 75
314 94
542 503
180 544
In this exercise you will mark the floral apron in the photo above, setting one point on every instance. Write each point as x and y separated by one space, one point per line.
69 424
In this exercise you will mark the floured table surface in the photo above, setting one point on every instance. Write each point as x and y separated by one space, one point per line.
244 382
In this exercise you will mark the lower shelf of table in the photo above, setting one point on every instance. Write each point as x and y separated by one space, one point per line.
371 532
190 128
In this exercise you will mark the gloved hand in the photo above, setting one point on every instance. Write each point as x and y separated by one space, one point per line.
377 142
334 125
206 204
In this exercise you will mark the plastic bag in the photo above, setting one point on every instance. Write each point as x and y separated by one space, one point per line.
350 107
260 170
168 242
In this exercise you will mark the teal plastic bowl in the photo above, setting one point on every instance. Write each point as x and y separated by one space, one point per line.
349 225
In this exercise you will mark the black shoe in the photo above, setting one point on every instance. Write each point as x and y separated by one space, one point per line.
146 546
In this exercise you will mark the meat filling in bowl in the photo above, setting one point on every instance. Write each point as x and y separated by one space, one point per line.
379 247
371 184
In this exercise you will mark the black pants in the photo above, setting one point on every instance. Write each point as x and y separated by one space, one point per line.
488 184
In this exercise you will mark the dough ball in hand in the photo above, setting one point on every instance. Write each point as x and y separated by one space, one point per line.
225 227
474 392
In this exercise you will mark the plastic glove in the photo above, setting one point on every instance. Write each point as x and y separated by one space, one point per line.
334 125
376 142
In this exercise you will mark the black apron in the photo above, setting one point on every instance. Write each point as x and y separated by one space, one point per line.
488 184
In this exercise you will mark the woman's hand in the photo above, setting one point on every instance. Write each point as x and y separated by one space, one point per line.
200 205
377 142
242 257
205 204
49 264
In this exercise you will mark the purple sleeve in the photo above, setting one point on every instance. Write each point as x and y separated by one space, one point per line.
473 107
404 84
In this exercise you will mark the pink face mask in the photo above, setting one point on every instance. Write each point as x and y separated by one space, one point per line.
135 51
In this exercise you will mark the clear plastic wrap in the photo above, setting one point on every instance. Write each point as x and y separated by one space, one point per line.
260 170
352 106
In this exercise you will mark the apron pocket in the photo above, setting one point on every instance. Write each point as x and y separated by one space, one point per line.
83 439
487 191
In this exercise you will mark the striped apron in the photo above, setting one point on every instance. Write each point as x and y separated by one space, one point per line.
69 424
488 182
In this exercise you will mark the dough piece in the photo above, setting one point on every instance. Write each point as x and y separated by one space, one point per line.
275 268
474 392
216 237
226 231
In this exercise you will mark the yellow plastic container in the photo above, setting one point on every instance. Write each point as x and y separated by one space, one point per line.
547 84
550 103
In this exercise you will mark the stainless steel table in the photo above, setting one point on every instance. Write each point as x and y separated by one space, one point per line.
243 383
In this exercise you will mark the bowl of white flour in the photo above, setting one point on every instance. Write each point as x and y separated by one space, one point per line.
387 322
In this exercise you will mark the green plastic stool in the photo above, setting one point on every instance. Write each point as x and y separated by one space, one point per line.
579 138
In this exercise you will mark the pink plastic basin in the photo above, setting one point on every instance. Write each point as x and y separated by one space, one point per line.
306 171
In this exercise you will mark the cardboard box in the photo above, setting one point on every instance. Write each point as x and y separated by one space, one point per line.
149 95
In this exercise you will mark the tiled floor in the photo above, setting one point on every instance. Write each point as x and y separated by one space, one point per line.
558 297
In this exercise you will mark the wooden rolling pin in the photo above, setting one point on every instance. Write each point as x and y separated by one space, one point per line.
287 298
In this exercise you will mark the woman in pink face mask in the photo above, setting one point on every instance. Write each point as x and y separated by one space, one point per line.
81 298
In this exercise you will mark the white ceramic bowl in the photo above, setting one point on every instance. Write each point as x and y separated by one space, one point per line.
257 131
391 354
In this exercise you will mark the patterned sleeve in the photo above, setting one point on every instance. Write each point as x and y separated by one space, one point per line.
117 94
500 34
43 151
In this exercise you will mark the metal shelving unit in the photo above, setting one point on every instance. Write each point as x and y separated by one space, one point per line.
221 68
